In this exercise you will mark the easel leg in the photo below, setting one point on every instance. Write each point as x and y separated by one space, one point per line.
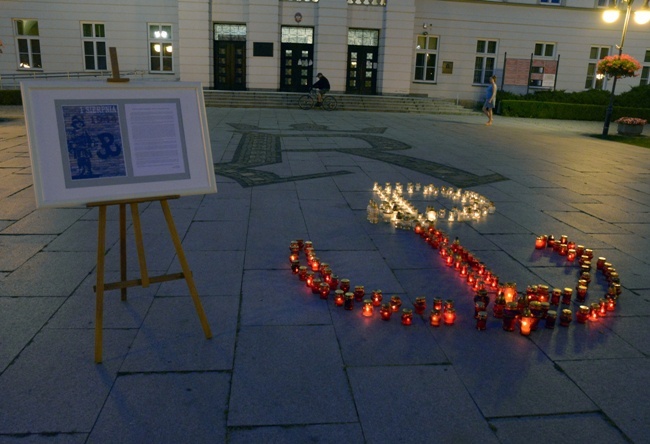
99 292
123 249
186 269
139 244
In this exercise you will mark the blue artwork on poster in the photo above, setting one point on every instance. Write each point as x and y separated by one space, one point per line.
94 141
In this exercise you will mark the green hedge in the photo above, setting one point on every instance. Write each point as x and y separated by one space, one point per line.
566 111
10 97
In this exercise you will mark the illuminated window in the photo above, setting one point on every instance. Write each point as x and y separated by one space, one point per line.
426 57
28 44
160 48
594 80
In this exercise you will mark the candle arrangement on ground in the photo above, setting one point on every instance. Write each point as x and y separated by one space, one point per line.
525 310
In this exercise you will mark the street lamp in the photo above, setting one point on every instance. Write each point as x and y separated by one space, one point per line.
641 16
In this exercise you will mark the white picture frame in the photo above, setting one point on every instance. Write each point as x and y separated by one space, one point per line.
92 141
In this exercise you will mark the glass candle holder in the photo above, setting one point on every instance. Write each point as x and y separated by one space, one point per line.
567 294
385 311
334 281
499 306
449 316
583 314
571 255
435 317
540 242
581 293
510 291
566 316
407 316
420 305
479 306
602 307
339 298
580 250
594 311
348 304
324 290
600 262
309 279
377 297
551 317
611 303
447 304
367 309
295 266
359 293
315 264
481 320
395 303
344 285
302 272
437 304
556 295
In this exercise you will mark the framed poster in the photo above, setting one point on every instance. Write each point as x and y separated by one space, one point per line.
101 141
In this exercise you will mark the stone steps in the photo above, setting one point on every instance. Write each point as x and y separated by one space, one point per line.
346 102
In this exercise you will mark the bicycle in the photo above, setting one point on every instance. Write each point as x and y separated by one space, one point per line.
308 101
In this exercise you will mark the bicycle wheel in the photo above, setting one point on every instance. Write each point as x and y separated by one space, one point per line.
306 102
329 103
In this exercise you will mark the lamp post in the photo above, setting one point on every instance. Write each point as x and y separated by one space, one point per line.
641 16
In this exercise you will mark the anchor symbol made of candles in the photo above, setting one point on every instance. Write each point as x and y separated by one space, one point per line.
526 309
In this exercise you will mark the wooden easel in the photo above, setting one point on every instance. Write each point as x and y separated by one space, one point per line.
145 280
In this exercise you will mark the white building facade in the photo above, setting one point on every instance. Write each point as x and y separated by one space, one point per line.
436 48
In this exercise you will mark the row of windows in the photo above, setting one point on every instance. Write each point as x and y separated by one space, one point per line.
93 42
485 61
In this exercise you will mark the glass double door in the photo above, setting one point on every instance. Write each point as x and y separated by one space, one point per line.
230 65
362 70
296 67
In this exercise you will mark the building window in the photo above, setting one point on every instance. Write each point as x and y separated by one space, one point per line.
645 69
296 34
426 57
229 32
94 44
594 80
605 3
367 2
543 49
549 2
160 48
28 43
363 37
485 63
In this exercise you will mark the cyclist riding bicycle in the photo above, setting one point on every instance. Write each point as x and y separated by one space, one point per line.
322 86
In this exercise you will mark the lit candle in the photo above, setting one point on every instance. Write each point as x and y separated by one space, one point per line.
435 317
385 311
324 290
540 242
525 323
449 316
302 272
309 279
295 266
377 297
344 285
395 303
510 291
334 281
315 285
602 311
571 255
407 316
594 310
315 263
359 293
339 298
499 306
510 316
367 309
437 304
611 303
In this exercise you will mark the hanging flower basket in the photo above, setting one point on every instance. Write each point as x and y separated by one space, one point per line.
630 126
618 66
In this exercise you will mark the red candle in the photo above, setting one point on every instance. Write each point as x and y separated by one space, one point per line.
556 294
315 285
435 317
581 293
359 293
377 298
525 325
385 311
583 314
540 242
315 264
339 298
594 311
449 316
510 291
324 290
437 304
395 303
344 285
302 273
367 308
309 278
481 320
295 266
566 295
602 310
571 255
420 305
407 316
611 303
348 303
566 317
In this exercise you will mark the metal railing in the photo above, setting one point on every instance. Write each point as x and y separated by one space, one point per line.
12 81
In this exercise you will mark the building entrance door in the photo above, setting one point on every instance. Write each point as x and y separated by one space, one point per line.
362 70
230 65
296 67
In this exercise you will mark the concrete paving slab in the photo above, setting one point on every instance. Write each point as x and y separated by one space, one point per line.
289 375
171 338
578 428
416 403
619 387
325 434
137 403
216 236
54 386
46 221
16 250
